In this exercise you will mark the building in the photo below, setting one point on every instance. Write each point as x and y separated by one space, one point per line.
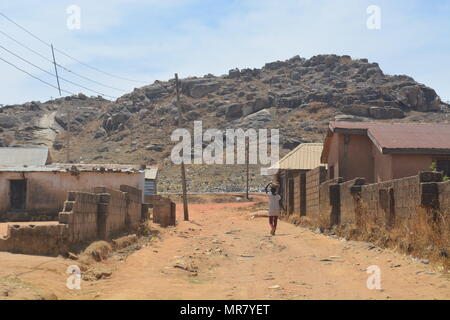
151 182
20 157
385 151
27 193
291 175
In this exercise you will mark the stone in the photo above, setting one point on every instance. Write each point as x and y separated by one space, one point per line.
419 98
234 111
8 122
386 113
201 90
358 110
154 92
234 73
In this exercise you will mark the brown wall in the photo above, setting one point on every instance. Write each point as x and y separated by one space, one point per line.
359 157
313 180
409 165
351 156
406 195
86 216
444 199
47 191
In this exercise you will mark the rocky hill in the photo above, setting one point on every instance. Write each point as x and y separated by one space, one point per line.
298 96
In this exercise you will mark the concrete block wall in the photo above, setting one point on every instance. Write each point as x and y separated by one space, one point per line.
33 239
164 211
444 197
86 216
299 193
134 206
112 212
329 203
384 204
80 215
313 180
349 196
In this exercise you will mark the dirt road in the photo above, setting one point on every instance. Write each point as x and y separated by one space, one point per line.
225 254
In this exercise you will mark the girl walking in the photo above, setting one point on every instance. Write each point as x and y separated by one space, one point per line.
274 206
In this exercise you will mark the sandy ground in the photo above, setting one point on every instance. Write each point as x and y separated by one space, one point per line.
224 253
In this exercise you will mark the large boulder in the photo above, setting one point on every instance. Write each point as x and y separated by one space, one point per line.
155 92
234 111
234 73
386 113
357 110
201 90
419 98
8 122
259 103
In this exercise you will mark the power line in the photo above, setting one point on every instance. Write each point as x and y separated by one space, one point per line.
67 55
59 65
47 72
43 81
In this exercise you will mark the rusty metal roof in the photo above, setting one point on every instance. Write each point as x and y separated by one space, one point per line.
397 138
69 167
24 156
305 156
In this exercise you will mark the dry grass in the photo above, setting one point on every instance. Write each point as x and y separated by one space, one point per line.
425 235
97 251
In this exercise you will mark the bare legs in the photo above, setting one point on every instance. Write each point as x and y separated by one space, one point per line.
273 220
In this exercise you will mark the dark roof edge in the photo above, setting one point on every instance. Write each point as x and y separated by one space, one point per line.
349 131
416 151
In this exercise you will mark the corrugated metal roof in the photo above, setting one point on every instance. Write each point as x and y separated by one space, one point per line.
24 156
411 136
305 156
151 174
69 167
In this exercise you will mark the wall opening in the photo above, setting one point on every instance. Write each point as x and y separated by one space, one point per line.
18 194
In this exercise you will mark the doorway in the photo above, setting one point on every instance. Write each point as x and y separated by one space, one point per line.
18 194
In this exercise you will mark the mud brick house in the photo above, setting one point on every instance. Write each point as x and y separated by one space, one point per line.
291 175
385 151
30 193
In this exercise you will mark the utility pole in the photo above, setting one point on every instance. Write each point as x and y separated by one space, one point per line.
247 161
56 70
185 201
69 116
183 169
68 109
180 114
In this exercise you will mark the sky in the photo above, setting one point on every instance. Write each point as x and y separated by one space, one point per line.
148 40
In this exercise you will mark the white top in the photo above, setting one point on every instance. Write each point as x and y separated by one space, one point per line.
274 204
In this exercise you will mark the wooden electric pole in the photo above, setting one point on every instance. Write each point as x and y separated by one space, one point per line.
185 201
69 116
247 158
180 113
67 110
183 169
